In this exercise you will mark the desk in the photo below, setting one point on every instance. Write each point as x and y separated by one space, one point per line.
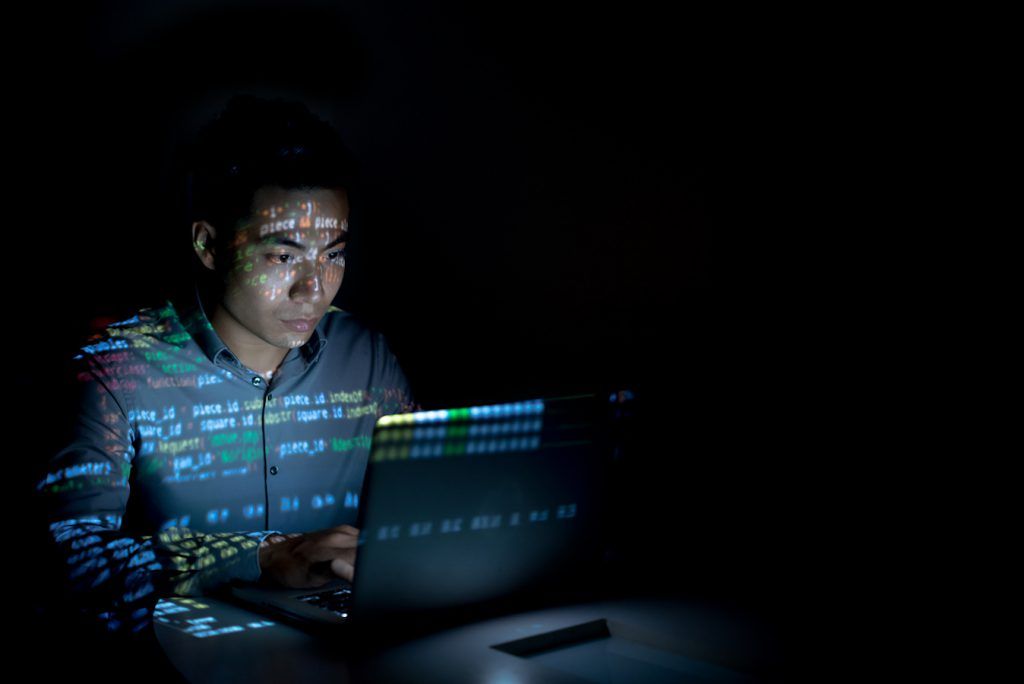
646 640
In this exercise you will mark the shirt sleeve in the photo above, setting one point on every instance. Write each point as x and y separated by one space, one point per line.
397 393
111 576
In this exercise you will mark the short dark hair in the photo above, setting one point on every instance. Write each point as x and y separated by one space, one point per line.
257 141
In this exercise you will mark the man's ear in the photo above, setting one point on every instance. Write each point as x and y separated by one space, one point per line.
203 236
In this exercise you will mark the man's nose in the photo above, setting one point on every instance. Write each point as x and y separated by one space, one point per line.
309 283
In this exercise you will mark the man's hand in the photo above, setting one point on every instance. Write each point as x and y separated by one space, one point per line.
310 560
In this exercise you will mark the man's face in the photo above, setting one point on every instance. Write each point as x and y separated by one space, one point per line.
287 262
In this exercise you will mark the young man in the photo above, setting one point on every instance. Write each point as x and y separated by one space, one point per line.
225 436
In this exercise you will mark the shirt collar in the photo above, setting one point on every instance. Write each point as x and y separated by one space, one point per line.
192 315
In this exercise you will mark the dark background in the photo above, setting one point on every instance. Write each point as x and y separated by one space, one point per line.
540 186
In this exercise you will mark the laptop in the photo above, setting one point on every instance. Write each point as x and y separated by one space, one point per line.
469 512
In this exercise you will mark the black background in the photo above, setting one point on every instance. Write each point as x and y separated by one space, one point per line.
540 187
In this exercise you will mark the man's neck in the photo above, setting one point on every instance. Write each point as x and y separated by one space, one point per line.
250 350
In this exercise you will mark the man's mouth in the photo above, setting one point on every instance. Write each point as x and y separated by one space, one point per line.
300 324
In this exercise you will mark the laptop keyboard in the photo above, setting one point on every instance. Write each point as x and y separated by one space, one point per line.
335 600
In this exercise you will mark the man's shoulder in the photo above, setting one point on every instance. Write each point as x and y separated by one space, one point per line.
334 309
349 333
345 324
148 329
355 342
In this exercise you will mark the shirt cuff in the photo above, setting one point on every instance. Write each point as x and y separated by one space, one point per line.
261 536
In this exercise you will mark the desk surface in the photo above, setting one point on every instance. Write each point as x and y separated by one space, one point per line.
646 640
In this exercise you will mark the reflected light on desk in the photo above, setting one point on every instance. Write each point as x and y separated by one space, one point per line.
502 677
189 615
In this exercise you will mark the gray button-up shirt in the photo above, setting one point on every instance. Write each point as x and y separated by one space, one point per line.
181 460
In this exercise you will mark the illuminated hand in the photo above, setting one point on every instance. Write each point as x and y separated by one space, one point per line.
311 559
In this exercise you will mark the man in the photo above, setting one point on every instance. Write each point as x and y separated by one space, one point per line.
224 436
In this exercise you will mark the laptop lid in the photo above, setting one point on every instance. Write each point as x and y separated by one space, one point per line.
498 505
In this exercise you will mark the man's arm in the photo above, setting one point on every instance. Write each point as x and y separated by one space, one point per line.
112 576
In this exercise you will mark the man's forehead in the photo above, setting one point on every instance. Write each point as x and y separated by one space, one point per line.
284 232
305 218
293 230
276 198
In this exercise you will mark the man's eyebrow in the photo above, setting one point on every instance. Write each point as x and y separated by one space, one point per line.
279 240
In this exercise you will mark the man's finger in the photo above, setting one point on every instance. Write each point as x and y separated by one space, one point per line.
328 553
340 539
343 569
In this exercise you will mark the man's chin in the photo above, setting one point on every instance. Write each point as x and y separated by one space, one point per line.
296 339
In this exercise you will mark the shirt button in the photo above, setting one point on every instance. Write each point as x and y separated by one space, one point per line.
273 470
257 380
270 396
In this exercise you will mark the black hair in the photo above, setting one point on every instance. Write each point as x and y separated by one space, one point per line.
257 141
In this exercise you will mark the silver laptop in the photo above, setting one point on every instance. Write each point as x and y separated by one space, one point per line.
467 512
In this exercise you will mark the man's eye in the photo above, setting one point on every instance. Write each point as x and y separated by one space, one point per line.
278 258
338 255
